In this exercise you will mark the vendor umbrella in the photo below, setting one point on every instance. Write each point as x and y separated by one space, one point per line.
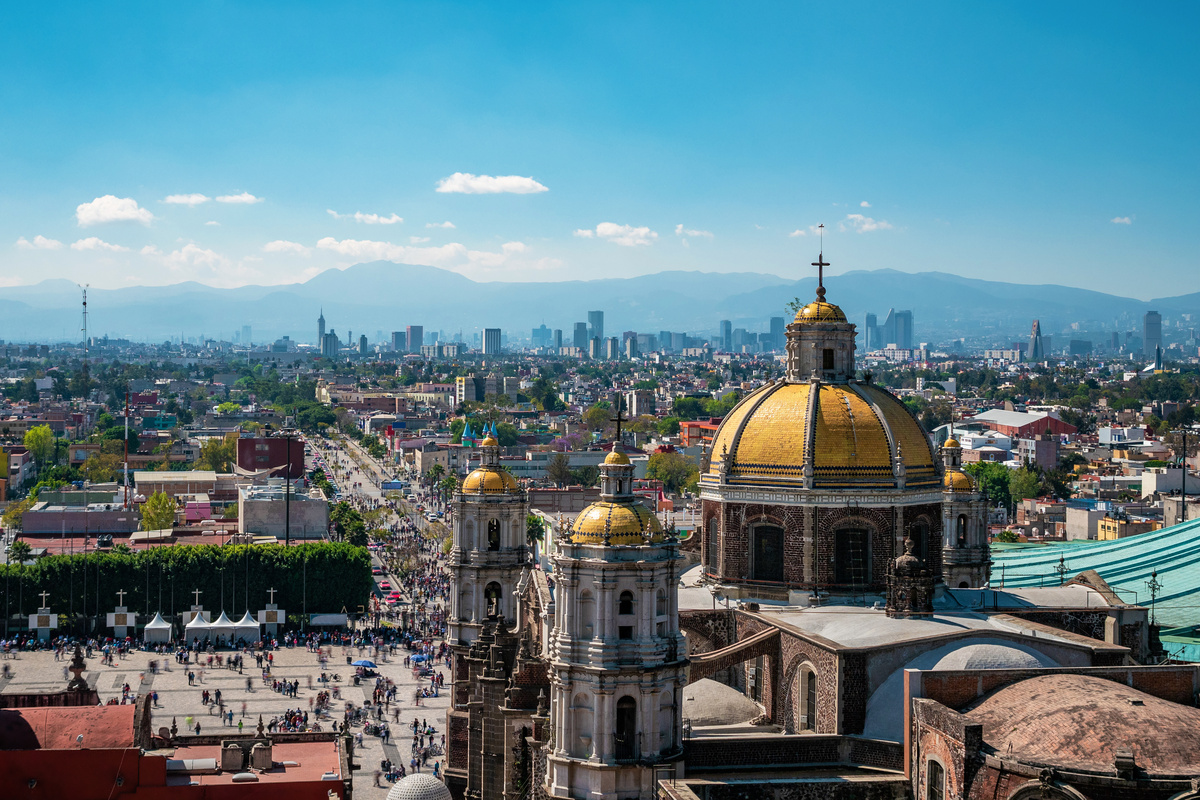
364 662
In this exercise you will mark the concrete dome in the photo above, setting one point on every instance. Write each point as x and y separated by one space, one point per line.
419 786
707 702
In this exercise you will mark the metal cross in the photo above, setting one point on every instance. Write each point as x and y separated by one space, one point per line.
43 596
617 419
820 264
197 593
121 597
271 592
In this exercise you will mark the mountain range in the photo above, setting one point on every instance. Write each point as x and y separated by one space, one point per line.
382 296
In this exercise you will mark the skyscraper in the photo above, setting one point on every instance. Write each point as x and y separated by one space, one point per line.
557 339
897 330
726 343
416 338
362 345
777 333
491 341
321 329
1036 351
580 339
246 335
596 324
399 341
1151 333
871 333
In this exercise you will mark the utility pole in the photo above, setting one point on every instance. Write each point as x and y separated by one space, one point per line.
126 452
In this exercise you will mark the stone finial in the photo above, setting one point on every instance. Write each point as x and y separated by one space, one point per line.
259 730
78 665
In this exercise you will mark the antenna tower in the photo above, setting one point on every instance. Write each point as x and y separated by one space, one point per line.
86 365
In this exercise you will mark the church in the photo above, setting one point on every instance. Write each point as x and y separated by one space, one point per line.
833 633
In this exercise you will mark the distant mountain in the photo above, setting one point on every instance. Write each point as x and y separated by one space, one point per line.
383 296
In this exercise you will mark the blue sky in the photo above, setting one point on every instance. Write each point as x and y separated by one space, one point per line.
990 140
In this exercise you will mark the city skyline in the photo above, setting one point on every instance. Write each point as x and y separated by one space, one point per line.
264 148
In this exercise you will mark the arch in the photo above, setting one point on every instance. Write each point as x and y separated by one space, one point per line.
919 531
493 595
852 553
625 730
807 698
935 780
711 531
961 530
625 602
582 719
666 721
493 534
766 553
1045 788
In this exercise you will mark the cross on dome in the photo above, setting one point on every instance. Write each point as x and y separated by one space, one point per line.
820 264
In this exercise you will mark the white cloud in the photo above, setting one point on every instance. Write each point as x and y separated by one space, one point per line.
452 256
110 208
418 239
466 183
1122 220
795 233
283 246
624 235
96 243
584 233
213 223
865 204
190 200
368 219
245 198
692 233
446 224
150 250
39 243
192 255
861 224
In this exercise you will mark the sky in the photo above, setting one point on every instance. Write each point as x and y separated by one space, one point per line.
262 143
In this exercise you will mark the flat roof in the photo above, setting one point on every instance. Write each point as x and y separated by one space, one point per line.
295 762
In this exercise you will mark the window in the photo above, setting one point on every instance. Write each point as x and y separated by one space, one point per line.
768 554
962 530
852 557
625 603
660 603
493 594
919 533
493 534
710 546
625 632
626 729
935 781
827 358
810 701
756 680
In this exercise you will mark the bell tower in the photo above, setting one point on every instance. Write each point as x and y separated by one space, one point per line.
966 555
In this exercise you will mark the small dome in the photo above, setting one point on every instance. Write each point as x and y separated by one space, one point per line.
489 480
957 481
622 523
711 703
419 786
820 311
490 441
616 457
952 443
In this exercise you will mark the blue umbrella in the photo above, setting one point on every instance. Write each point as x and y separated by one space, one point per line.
364 662
418 658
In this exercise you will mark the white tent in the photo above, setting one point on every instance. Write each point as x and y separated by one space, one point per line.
247 629
222 629
198 628
158 630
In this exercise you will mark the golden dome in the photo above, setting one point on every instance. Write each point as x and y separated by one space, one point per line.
957 481
856 431
490 441
616 457
820 311
952 443
489 480
622 523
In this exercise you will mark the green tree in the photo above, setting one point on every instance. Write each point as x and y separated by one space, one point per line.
993 480
1008 537
227 408
668 426
675 470
596 417
535 529
558 469
19 552
1026 482
101 467
218 455
506 434
39 440
585 476
457 426
14 515
158 512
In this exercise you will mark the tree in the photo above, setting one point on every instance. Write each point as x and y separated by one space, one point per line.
457 425
1008 537
596 417
19 552
158 512
558 469
585 476
14 515
1026 482
535 529
993 480
227 408
101 467
39 441
506 434
218 455
675 470
668 426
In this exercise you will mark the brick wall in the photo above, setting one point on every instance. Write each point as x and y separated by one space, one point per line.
757 752
955 688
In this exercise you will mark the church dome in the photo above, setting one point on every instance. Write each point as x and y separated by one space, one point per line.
616 457
820 311
952 443
856 436
615 523
419 786
489 480
490 441
958 482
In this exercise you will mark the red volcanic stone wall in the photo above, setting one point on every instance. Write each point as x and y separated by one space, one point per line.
1177 683
876 519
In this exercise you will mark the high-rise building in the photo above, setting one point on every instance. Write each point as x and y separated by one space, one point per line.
399 341
897 330
596 324
612 348
557 339
540 337
1036 350
726 343
595 348
415 337
664 341
491 341
362 345
631 347
1151 333
580 339
871 333
330 346
321 329
777 333
246 334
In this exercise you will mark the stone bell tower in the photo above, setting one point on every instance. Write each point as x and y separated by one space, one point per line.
966 556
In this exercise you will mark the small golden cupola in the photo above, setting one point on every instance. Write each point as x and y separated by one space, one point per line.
820 340
619 517
489 477
955 480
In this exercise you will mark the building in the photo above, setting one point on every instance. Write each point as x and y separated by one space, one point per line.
273 510
362 345
1036 350
595 348
491 341
1040 449
726 344
246 335
1021 424
581 337
596 324
1152 341
558 339
399 341
256 455
612 348
871 334
778 334
415 337
321 330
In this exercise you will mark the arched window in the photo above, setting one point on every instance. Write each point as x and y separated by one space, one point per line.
962 530
625 603
625 730
919 533
493 534
852 556
711 560
493 595
767 563
935 781
827 358
666 721
808 699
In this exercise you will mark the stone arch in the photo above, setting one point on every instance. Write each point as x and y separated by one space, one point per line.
583 724
1046 788
625 728
921 530
961 530
493 534
768 538
493 596
791 687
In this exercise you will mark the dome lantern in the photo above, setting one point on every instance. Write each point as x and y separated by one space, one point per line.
820 340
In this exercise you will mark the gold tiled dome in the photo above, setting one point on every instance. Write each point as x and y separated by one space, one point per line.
489 480
621 523
616 457
952 443
820 311
490 441
957 481
857 431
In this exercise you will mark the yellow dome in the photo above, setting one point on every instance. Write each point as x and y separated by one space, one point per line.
952 443
957 481
623 523
489 480
616 457
490 441
820 311
856 432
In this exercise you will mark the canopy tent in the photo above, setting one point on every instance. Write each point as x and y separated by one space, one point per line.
246 629
198 628
157 630
223 629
